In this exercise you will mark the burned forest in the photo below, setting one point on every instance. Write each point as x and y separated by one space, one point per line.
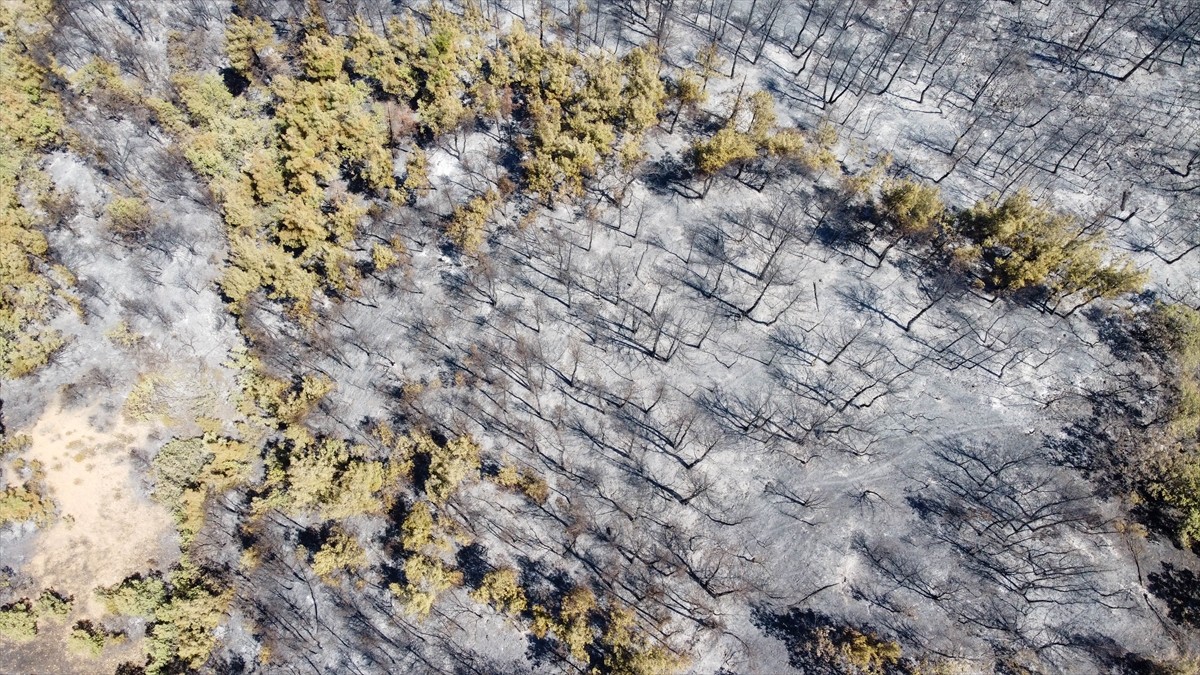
600 336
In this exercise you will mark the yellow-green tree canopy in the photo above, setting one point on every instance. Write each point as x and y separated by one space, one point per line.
913 208
727 147
1031 245
31 122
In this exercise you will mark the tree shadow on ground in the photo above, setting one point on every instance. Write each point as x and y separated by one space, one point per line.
819 645
1180 589
1109 657
472 562
795 628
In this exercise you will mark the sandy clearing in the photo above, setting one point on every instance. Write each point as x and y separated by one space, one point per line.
106 530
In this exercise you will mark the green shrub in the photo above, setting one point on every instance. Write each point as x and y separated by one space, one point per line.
727 147
245 39
913 209
1175 329
418 528
628 652
333 478
1028 245
18 622
426 577
129 217
27 501
339 553
89 639
526 482
51 604
31 122
449 465
468 225
187 470
135 596
502 589
1177 487
182 636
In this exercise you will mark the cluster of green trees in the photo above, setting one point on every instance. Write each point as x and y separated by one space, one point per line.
583 108
524 481
89 639
336 481
1012 244
31 122
28 499
622 647
295 160
183 611
427 537
295 163
310 475
854 651
584 625
184 608
1166 466
751 133
329 477
187 471
19 620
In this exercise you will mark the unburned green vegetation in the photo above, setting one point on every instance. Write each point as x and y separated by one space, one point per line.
89 639
492 368
751 133
183 610
188 471
1012 244
19 620
1166 466
1028 245
25 498
31 123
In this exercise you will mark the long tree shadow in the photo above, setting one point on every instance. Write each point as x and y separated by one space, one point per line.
472 561
1179 588
1111 657
819 645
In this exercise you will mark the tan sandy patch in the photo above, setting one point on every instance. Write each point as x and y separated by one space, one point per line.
105 531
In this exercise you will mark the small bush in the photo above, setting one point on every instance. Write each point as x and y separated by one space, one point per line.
135 596
912 208
27 501
129 217
526 482
340 553
426 577
51 604
502 589
122 335
1178 489
1175 329
449 465
628 652
418 528
467 228
18 622
88 639
727 147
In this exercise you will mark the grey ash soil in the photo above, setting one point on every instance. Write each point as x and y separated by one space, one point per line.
755 418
